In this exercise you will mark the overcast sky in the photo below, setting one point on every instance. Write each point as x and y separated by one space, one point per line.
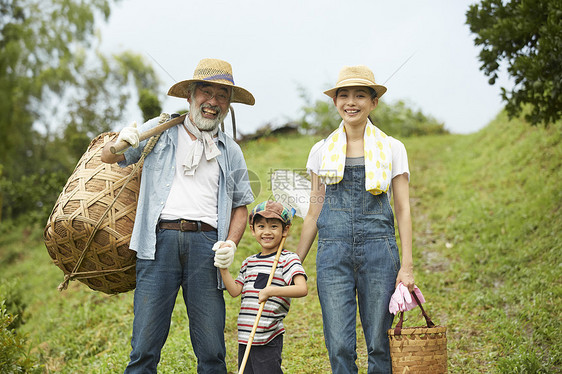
275 47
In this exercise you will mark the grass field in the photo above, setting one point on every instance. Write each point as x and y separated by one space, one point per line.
487 219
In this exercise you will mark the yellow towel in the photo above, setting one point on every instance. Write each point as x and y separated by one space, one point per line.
378 158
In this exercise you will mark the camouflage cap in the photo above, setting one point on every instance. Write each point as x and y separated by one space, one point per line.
271 209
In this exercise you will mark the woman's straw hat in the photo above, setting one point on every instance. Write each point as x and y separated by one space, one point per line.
352 76
211 70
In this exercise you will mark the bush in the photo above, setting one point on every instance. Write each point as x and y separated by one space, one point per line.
13 355
32 197
12 302
401 121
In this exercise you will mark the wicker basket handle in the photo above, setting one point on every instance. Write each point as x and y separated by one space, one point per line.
429 322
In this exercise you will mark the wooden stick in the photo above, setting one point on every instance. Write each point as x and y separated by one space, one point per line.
262 305
122 145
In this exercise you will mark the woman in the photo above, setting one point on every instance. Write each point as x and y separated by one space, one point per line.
353 172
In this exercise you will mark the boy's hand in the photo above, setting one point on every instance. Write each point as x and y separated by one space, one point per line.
264 294
224 253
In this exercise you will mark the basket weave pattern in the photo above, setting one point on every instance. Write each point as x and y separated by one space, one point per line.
419 350
107 264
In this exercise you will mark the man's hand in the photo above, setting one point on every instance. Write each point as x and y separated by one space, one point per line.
130 134
224 253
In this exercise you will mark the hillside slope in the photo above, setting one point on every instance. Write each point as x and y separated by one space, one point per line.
487 216
487 220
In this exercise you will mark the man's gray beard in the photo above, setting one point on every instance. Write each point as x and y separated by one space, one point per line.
205 124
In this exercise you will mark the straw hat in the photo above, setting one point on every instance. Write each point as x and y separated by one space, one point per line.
211 70
352 76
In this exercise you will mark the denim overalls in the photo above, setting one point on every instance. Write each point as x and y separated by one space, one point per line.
357 255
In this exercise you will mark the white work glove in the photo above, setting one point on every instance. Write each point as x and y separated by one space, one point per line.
130 134
224 256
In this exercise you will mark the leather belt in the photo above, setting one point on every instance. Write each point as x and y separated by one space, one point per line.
185 225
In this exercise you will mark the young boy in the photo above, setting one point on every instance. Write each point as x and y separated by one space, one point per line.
269 223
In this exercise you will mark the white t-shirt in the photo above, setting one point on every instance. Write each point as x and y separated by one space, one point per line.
399 158
193 197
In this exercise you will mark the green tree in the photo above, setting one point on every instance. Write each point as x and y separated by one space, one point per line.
41 43
399 120
319 117
99 102
145 81
58 92
149 104
527 35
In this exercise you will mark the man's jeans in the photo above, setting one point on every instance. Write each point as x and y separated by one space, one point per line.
182 259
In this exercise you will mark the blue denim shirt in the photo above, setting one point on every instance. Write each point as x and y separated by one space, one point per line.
156 180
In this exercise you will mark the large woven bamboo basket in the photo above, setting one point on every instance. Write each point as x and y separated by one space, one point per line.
88 232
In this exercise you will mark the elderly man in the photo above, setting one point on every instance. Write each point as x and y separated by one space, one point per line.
193 197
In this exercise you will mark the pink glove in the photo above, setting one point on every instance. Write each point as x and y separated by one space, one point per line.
402 301
396 302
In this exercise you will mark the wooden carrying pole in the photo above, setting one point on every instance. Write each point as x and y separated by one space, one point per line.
255 327
122 145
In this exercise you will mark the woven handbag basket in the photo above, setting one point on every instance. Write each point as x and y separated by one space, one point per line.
420 349
88 232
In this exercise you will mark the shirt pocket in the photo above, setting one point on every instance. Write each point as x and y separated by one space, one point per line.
158 157
261 281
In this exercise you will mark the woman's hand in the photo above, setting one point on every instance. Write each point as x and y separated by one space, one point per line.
406 276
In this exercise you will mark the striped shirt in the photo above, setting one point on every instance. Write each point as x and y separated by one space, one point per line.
253 277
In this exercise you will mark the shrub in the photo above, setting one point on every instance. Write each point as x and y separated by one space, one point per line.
13 355
12 302
32 197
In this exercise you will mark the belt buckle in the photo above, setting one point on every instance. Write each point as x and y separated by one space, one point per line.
182 221
188 228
